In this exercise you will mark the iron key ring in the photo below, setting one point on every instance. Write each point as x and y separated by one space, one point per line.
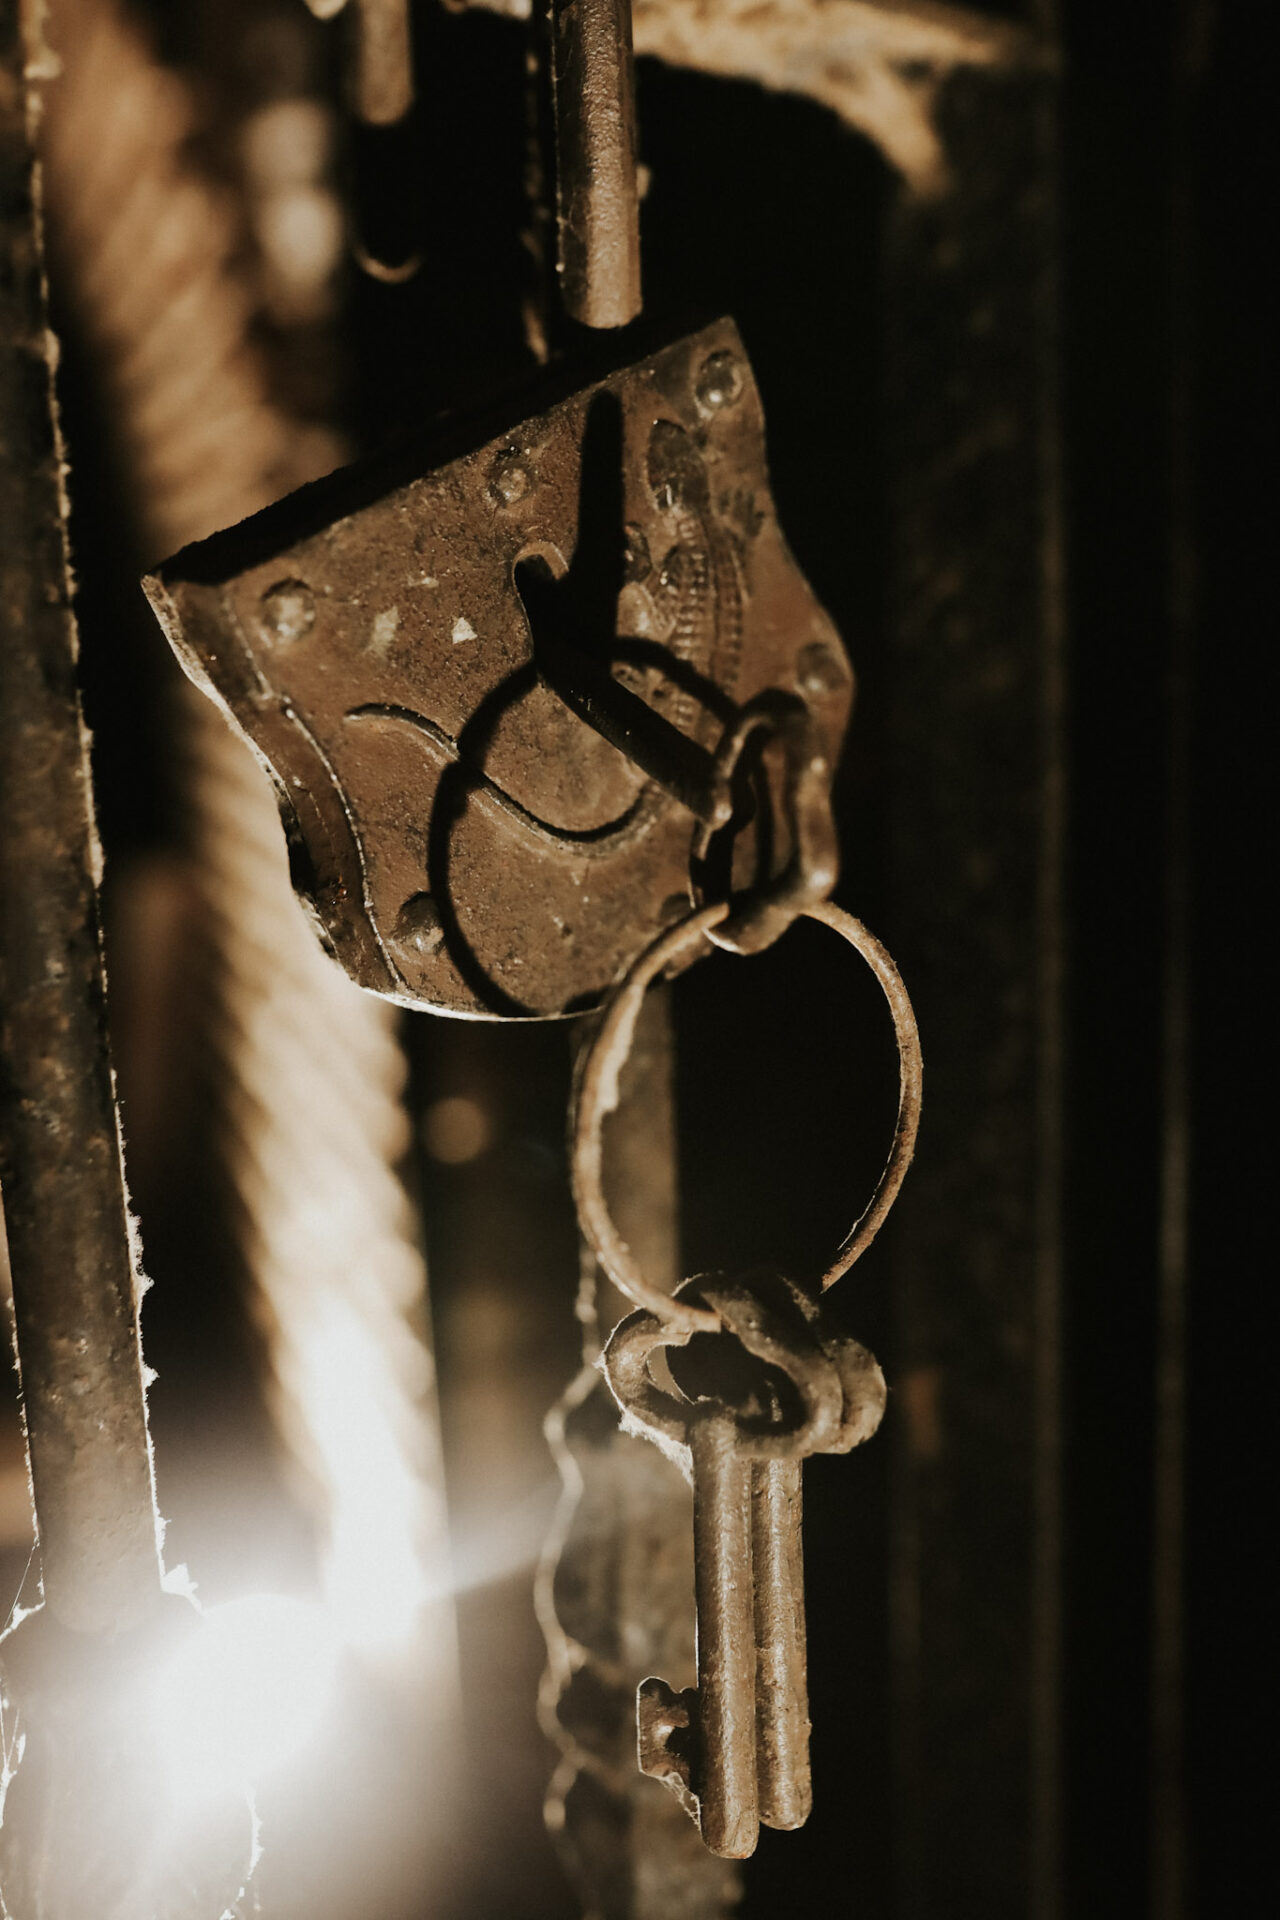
596 1093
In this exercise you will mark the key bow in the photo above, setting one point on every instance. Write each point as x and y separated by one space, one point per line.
837 1391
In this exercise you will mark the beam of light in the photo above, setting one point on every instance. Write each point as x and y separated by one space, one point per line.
375 1573
315 1131
507 1547
247 1692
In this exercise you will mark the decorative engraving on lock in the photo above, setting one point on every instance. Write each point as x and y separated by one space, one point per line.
490 683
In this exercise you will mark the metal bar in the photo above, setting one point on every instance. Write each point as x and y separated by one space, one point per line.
782 1693
74 1285
381 61
597 205
726 1636
614 1597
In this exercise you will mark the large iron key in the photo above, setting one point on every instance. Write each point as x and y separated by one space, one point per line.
818 1390
735 1747
725 1590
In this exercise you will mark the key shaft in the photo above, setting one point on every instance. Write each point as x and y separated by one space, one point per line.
784 1788
722 1472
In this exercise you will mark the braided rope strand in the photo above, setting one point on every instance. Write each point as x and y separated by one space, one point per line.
312 1118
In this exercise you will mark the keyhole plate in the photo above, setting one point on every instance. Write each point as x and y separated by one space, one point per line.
465 841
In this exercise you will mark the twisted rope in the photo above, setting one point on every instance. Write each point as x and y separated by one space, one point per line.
313 1115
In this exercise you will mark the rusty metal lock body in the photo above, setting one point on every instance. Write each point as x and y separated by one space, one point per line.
466 839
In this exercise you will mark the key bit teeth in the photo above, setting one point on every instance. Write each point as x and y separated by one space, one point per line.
669 1730
667 1738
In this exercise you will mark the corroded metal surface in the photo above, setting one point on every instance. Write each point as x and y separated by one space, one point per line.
597 1091
301 1123
469 842
74 1282
82 1777
761 1379
880 68
382 61
735 1749
616 1585
617 1600
598 212
380 72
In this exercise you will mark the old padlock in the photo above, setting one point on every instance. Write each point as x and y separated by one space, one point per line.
511 685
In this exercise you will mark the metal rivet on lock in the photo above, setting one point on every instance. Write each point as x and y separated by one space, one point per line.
419 929
719 382
288 611
820 671
509 478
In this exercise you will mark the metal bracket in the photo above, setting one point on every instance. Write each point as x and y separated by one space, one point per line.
490 688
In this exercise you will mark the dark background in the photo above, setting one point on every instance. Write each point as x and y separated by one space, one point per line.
1125 188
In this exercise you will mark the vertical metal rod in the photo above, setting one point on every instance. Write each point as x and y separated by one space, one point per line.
614 1589
782 1694
382 61
61 1174
597 205
726 1636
